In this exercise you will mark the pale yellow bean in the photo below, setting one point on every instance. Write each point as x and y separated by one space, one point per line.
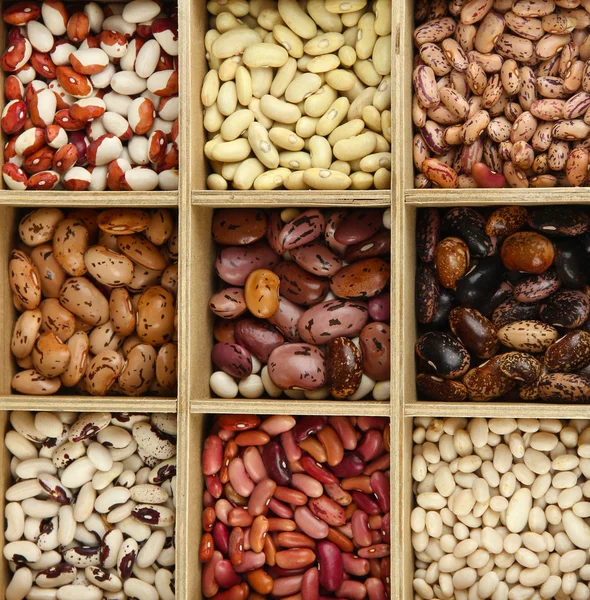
262 147
382 55
213 119
356 147
271 180
323 63
236 124
382 10
302 87
227 99
386 125
295 181
350 35
295 160
226 21
231 151
254 106
238 8
363 99
365 71
347 56
234 42
324 179
210 37
320 151
340 165
286 139
366 36
229 169
361 181
356 90
216 182
288 40
303 62
306 126
327 21
317 104
345 6
372 118
283 78
333 117
350 19
269 18
325 43
261 81
374 162
243 86
210 88
346 130
265 55
247 172
340 79
382 179
296 19
229 67
278 110
210 145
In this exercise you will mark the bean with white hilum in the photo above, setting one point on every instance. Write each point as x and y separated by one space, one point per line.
501 508
90 512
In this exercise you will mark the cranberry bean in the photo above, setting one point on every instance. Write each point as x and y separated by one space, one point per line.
316 470
351 464
307 426
360 528
330 565
225 575
276 464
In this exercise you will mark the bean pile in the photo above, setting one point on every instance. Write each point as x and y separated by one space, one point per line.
298 95
92 96
297 508
304 302
502 90
91 514
502 508
97 295
504 299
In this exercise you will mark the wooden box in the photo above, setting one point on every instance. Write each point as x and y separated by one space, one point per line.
195 207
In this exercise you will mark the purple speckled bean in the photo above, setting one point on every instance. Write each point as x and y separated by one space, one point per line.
222 508
351 465
327 510
305 228
375 551
366 503
330 565
297 366
361 531
355 566
220 534
239 479
307 426
427 91
379 307
258 337
252 561
333 221
287 318
317 259
371 446
225 575
254 464
308 485
273 232
537 287
331 319
380 487
310 524
235 263
233 359
576 106
359 226
276 463
292 450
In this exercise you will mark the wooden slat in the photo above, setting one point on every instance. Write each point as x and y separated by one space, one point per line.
481 197
290 198
88 403
89 199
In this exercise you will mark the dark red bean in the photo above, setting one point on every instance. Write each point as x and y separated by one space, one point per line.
331 567
307 426
317 471
280 509
366 423
276 464
351 465
310 586
355 566
225 575
214 485
372 445
380 486
212 455
220 534
366 503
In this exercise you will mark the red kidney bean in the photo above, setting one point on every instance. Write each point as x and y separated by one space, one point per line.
212 455
380 486
292 450
221 537
308 485
290 496
239 422
254 464
366 503
225 575
261 496
276 463
361 532
361 483
207 548
236 546
294 539
333 445
371 446
280 572
252 438
355 566
334 491
375 589
310 524
258 533
345 430
278 424
366 423
280 509
351 464
310 585
208 518
340 539
222 510
317 471
379 464
307 426
330 565
238 477
327 510
313 447
214 485
240 517
285 586
354 590
250 561
386 527
208 499
209 585
295 558
375 551
230 452
270 550
237 592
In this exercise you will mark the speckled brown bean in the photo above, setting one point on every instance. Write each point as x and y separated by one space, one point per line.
334 318
564 387
123 221
286 319
317 259
121 312
155 316
375 347
85 300
297 366
139 370
477 333
50 271
520 366
25 333
528 252
439 173
57 319
108 267
70 242
103 371
50 355
569 353
360 280
424 80
443 390
24 279
161 226
487 381
537 287
444 353
166 366
228 303
427 233
568 309
576 167
297 285
235 263
452 261
427 294
238 226
506 220
38 226
344 367
32 383
141 251
78 345
303 229
528 336
261 293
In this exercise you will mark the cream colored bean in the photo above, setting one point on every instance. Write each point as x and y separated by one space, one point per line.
236 124
302 87
280 111
325 179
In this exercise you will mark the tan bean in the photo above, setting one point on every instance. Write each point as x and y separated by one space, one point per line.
325 179
434 31
490 29
24 280
515 177
510 75
557 155
573 78
576 167
550 44
542 138
572 129
523 128
435 58
476 78
515 47
475 126
528 90
491 63
439 173
493 91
